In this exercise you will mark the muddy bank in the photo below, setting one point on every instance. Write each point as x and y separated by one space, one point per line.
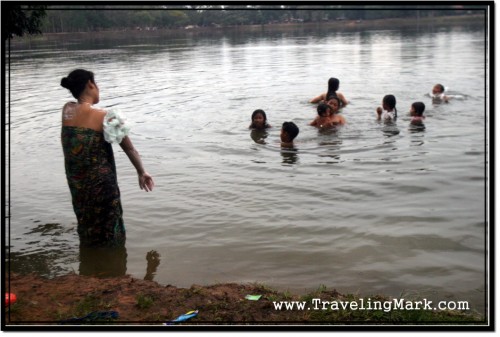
60 300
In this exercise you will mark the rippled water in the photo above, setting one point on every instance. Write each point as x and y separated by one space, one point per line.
368 208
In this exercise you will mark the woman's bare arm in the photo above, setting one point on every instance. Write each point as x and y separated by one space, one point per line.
145 180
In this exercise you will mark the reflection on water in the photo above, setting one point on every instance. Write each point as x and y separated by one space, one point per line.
259 136
112 262
390 129
49 250
289 155
103 261
416 127
153 259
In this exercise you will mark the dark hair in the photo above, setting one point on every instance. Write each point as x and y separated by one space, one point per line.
259 111
291 129
76 81
333 84
339 102
255 113
441 87
390 101
419 108
322 108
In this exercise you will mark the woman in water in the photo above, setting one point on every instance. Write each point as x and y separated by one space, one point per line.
86 135
333 86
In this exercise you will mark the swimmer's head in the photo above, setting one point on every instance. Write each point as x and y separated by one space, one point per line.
334 104
333 84
288 132
323 109
438 89
389 102
259 118
417 109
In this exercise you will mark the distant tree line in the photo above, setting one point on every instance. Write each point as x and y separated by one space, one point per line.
88 19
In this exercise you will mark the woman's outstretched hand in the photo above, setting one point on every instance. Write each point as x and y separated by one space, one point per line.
146 182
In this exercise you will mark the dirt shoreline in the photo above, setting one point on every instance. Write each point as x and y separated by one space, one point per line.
42 301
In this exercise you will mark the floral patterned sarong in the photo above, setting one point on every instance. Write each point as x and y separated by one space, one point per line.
91 174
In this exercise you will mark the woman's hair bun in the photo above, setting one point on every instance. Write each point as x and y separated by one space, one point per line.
65 82
76 81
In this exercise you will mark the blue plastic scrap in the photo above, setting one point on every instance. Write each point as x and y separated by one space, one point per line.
184 317
93 316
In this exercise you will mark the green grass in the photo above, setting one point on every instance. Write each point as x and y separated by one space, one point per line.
144 301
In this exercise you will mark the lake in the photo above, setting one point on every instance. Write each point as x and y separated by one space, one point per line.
366 208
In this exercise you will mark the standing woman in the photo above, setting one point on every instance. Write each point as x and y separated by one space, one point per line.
86 135
333 86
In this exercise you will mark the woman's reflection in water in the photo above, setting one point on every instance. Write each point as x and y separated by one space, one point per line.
153 259
112 262
103 261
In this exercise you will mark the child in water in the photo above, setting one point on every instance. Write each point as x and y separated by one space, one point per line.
323 119
438 95
388 111
288 133
334 105
417 113
259 120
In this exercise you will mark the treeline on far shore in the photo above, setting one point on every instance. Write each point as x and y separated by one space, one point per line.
84 19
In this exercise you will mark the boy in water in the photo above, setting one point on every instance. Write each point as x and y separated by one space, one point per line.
288 133
417 113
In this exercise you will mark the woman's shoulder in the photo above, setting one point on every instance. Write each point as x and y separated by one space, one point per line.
98 110
69 104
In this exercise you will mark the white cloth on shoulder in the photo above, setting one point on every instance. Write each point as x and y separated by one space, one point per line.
114 127
440 96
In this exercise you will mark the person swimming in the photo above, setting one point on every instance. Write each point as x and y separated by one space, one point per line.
289 131
333 86
388 111
438 94
336 118
259 120
323 119
417 113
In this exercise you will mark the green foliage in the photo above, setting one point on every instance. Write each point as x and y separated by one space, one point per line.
21 19
88 18
144 301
